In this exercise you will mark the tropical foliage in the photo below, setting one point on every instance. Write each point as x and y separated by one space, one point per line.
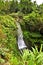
30 16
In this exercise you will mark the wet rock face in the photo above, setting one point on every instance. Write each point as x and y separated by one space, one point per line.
41 31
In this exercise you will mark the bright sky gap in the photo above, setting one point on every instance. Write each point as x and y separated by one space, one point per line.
38 1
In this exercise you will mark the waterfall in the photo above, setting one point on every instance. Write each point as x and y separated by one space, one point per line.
21 43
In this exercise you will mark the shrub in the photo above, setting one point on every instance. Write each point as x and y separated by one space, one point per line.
33 57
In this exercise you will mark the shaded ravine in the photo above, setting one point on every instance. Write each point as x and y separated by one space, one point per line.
21 43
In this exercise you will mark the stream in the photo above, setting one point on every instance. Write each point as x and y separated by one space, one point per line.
21 43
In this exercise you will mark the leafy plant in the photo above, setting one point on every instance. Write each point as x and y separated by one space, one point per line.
33 57
2 60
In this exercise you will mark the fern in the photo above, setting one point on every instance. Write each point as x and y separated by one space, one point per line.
33 57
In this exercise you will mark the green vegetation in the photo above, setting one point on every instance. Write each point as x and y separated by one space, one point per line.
33 57
8 40
31 26
30 16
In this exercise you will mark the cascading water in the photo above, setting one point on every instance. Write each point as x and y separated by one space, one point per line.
21 43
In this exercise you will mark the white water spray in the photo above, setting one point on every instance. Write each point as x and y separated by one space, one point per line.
21 43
